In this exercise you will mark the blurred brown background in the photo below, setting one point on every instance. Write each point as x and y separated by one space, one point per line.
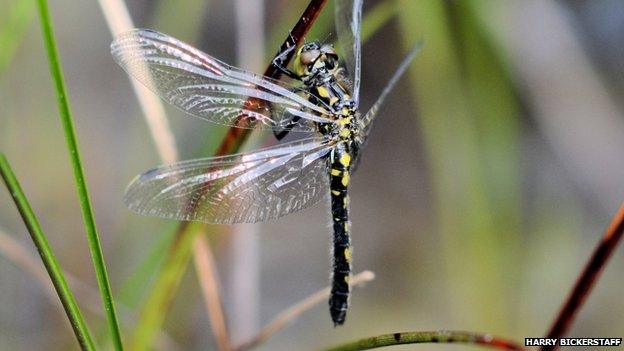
488 178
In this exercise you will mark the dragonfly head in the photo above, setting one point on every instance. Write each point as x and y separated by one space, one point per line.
314 58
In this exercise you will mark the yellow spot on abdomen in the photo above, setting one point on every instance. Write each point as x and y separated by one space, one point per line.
345 160
335 172
344 121
335 192
345 133
347 254
345 178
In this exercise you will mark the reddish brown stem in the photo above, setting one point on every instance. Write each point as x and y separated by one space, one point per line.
236 136
588 278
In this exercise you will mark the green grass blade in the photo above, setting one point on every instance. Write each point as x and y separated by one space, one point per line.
495 110
47 256
19 17
134 287
468 120
81 185
163 291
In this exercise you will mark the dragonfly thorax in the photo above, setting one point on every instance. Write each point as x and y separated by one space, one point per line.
347 128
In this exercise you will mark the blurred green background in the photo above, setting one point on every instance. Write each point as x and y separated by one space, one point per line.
489 176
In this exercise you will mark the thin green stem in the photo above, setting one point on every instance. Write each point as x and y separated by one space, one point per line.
81 185
12 30
47 256
428 337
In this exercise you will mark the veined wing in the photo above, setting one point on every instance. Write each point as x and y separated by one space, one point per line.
366 121
242 188
348 17
210 89
369 117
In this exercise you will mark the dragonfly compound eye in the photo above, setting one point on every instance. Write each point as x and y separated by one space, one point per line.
328 50
308 57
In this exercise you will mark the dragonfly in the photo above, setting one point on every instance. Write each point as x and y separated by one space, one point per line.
319 101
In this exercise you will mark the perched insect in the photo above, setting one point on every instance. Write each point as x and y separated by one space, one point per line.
271 182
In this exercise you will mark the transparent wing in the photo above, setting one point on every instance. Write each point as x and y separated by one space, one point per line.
366 122
369 117
241 188
348 17
210 89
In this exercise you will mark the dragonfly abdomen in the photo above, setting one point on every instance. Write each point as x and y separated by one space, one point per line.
339 298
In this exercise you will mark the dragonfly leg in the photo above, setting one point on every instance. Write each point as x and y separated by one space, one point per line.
279 63
279 135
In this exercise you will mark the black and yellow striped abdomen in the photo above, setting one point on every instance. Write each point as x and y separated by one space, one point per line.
337 97
339 182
